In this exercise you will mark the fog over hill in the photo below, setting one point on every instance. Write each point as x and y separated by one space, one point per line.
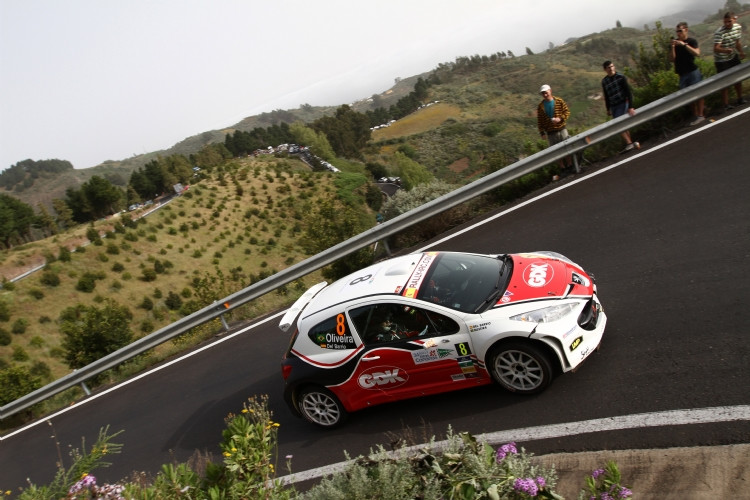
159 73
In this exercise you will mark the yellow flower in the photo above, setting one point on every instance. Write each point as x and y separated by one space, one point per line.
244 410
276 424
227 454
234 450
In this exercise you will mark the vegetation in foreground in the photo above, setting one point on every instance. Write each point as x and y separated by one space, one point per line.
460 467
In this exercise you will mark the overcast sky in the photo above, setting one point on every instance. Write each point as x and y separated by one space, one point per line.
92 80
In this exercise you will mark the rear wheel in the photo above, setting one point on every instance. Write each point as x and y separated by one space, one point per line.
520 367
321 407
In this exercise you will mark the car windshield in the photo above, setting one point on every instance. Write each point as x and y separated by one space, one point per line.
466 282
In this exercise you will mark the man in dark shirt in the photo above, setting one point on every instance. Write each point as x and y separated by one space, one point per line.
618 99
683 51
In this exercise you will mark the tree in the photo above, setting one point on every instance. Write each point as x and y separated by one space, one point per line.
411 172
316 141
90 333
529 52
347 131
16 220
104 198
331 223
618 24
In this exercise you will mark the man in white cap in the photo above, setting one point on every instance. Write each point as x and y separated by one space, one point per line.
552 114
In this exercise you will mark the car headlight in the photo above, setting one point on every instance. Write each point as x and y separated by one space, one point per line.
547 314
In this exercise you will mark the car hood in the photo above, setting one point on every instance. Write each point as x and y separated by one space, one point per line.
545 275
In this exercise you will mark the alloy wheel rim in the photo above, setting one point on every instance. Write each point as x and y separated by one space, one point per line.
519 370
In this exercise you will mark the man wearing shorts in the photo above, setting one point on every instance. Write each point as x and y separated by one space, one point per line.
727 54
618 99
682 52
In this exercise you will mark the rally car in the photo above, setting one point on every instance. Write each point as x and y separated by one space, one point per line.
433 322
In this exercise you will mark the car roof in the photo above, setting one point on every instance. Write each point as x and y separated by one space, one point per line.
390 276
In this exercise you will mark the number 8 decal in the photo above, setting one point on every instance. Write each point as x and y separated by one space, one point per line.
463 349
340 324
360 279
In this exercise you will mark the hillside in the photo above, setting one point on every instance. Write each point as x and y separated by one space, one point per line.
237 225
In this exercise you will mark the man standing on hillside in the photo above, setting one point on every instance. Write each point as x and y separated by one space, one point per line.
552 115
618 99
727 54
682 52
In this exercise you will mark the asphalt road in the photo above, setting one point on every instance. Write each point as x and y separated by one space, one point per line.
667 235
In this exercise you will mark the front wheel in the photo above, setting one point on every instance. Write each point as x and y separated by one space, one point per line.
321 407
520 367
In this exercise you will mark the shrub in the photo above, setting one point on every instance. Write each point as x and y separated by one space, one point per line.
459 468
90 333
86 283
19 326
5 337
146 304
19 354
49 278
16 381
112 249
173 301
148 275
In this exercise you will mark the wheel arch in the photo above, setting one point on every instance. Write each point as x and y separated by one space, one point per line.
548 346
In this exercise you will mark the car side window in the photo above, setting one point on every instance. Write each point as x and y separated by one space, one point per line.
381 323
332 333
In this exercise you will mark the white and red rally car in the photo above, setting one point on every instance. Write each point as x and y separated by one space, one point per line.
433 322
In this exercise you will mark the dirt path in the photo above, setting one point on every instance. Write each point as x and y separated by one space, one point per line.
697 473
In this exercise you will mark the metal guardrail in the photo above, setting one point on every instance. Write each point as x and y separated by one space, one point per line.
384 230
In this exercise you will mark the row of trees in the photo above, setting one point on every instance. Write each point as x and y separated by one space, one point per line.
22 175
244 143
404 106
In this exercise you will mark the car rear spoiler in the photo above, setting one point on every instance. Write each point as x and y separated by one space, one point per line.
300 304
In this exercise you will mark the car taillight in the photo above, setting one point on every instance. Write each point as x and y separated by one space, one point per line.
286 370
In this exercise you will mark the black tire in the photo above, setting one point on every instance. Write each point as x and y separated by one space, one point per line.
520 367
321 407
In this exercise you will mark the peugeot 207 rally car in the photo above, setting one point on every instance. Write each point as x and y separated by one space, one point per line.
433 322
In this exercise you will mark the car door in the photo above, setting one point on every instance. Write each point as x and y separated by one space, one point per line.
411 351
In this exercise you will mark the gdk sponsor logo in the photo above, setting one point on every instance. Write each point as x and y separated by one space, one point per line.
382 375
537 275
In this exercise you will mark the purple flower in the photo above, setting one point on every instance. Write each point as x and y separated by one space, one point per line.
541 482
85 483
505 450
527 486
624 492
597 473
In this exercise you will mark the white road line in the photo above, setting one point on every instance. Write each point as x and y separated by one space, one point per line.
640 420
140 376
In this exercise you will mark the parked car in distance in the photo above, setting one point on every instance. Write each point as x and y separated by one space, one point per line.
433 322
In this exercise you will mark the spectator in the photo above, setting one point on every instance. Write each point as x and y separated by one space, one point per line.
682 52
727 54
552 115
618 99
